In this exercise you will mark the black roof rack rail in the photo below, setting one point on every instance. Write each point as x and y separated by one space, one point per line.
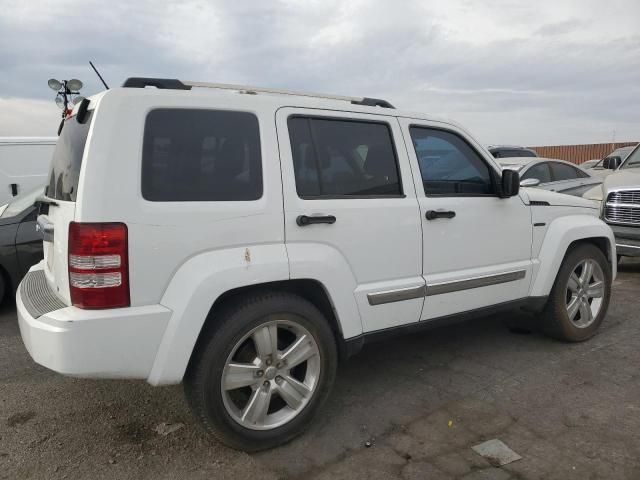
162 83
373 102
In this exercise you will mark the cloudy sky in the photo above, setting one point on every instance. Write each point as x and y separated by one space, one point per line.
512 71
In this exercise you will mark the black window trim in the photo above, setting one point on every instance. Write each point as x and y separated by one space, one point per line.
260 143
355 120
496 177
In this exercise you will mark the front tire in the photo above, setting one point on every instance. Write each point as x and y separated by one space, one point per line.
580 295
262 372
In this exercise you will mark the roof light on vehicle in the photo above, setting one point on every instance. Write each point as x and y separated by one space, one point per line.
74 84
54 84
64 99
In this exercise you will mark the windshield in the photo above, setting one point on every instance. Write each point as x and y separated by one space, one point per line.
633 160
621 152
67 160
22 202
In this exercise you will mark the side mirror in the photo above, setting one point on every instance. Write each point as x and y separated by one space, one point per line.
611 163
530 182
510 183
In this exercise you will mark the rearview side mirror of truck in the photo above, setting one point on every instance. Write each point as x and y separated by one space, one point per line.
510 183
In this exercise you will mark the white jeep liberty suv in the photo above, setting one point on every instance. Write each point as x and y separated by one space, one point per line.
243 240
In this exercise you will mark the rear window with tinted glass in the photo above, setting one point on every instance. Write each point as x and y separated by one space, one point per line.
201 155
67 159
343 158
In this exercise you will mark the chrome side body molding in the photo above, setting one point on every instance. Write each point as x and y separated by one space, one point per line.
400 294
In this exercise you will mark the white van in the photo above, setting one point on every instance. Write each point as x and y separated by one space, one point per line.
24 163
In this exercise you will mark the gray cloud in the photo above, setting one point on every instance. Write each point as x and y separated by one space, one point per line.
512 72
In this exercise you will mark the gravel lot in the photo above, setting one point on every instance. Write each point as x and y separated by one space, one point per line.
571 411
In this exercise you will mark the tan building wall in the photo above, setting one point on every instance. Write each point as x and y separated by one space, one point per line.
579 153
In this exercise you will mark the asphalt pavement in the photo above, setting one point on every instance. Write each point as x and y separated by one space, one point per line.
411 408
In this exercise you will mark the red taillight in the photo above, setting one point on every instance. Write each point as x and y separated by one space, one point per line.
98 265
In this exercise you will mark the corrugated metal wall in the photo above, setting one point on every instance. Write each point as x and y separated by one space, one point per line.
579 153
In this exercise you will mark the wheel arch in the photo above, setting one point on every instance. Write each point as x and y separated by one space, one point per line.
564 234
197 291
310 289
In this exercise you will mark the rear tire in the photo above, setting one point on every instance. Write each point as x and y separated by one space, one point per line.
247 385
577 305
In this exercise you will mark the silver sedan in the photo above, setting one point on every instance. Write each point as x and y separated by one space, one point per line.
551 174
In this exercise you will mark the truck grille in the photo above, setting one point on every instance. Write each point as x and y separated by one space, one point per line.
623 207
37 296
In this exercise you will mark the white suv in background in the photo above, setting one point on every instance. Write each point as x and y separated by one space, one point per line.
243 240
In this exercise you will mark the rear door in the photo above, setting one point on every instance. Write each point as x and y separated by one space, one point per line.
349 200
62 191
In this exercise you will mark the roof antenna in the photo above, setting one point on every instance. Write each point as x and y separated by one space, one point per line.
99 76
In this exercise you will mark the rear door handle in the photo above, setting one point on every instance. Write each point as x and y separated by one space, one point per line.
304 220
433 214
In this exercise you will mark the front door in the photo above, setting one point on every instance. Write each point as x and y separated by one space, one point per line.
351 214
477 246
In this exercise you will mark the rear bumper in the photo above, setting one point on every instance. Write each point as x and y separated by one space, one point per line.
114 343
627 240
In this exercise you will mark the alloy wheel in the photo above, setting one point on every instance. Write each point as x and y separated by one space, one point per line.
584 293
270 375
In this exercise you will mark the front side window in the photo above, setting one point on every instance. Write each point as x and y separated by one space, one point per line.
540 171
448 165
201 155
343 158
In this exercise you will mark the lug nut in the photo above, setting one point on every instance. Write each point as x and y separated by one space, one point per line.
266 383
268 361
278 379
279 365
259 373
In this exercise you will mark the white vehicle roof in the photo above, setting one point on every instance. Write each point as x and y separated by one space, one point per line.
277 96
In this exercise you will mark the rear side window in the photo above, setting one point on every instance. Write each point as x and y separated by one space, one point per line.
201 155
343 158
562 171
67 159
